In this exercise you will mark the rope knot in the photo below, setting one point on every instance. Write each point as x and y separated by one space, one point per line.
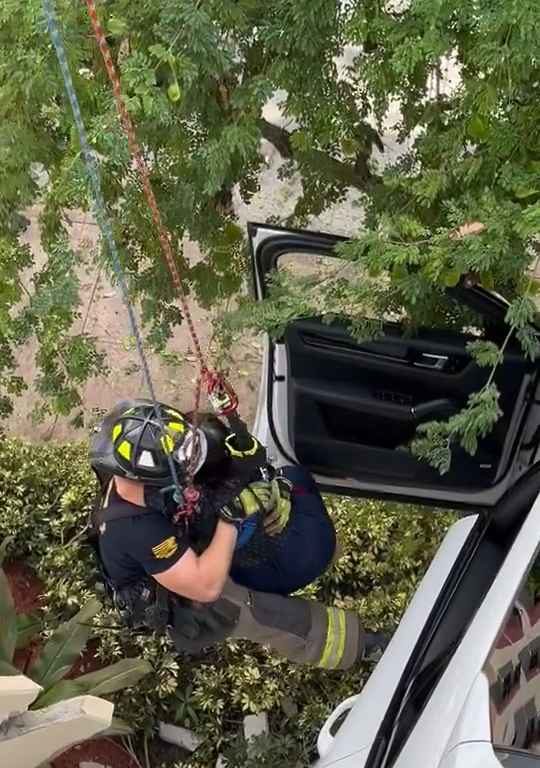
189 504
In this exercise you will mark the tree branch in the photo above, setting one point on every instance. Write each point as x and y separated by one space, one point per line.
277 136
355 175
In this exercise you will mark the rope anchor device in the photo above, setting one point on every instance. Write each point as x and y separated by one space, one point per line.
220 394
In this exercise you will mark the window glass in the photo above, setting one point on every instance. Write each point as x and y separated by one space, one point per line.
513 671
325 268
320 266
514 759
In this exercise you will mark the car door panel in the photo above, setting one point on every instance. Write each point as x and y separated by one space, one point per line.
351 401
474 618
353 407
433 690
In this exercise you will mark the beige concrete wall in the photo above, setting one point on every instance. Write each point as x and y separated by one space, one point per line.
28 739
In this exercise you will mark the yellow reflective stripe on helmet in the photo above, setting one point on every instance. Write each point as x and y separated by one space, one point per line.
176 426
117 431
175 414
167 443
251 451
334 647
124 449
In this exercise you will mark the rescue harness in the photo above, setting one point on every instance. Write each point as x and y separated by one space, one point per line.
145 603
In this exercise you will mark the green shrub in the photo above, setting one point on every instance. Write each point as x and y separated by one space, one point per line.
59 653
46 493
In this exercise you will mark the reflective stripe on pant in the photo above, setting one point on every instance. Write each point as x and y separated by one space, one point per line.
303 631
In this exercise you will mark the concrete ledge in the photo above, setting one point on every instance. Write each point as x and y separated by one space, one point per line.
32 738
17 692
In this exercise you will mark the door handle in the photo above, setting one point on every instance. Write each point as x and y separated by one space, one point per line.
434 409
431 360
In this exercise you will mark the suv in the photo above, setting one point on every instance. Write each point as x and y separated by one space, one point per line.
459 684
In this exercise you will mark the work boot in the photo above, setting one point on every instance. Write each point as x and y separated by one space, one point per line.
375 645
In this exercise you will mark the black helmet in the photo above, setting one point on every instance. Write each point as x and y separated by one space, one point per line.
131 442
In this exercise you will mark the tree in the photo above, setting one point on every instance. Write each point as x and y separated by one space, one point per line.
197 76
461 203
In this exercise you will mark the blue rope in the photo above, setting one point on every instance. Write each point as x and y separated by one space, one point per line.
100 212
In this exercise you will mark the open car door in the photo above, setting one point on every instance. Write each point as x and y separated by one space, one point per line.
349 410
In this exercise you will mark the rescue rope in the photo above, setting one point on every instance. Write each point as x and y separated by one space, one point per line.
190 493
100 211
140 162
213 380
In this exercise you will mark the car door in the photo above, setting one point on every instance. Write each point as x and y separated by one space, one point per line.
463 666
348 410
488 692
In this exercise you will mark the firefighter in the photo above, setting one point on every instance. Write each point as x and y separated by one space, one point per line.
256 536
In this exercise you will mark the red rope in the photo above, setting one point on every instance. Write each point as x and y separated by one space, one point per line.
138 157
211 379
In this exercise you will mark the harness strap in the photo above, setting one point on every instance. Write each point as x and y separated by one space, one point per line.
116 510
145 603
119 510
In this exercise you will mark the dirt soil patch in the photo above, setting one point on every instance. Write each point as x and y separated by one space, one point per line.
26 587
104 318
104 752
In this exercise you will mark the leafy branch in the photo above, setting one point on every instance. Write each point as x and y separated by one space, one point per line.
359 301
436 439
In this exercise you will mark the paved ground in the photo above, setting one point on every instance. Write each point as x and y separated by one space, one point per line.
103 316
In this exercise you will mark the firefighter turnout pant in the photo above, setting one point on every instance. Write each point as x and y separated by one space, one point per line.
302 631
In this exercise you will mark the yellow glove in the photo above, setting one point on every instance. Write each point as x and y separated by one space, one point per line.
256 497
258 494
276 520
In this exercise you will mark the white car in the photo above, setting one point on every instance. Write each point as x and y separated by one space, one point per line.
459 685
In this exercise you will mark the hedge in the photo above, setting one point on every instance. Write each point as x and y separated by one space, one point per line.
46 494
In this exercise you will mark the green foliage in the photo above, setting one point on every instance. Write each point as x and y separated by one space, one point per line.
469 152
46 494
114 677
28 628
60 652
197 78
476 420
486 353
267 751
64 647
44 500
8 621
336 298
